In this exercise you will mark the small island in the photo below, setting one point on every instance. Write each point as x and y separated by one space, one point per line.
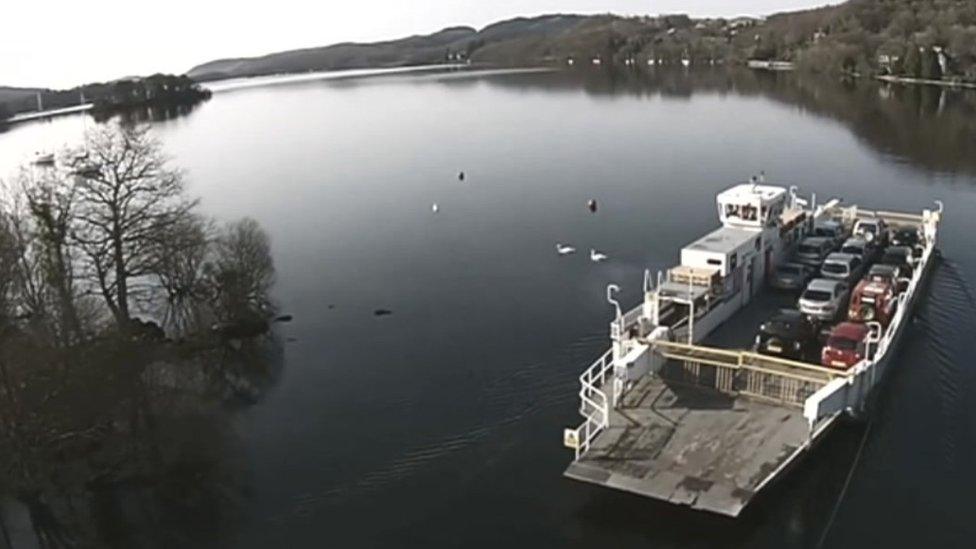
158 90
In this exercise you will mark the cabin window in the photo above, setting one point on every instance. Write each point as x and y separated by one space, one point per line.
714 262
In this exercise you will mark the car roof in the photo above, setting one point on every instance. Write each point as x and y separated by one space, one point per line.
870 221
883 269
855 240
825 284
786 322
815 240
793 264
873 286
850 330
828 223
840 257
903 250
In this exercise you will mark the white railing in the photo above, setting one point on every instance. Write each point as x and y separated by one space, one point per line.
594 405
620 325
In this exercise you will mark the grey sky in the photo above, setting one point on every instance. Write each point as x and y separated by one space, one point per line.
61 43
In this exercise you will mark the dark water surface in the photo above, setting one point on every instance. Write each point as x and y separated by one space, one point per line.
441 424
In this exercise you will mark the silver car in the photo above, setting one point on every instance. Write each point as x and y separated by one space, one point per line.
829 228
813 250
844 267
825 299
859 247
791 276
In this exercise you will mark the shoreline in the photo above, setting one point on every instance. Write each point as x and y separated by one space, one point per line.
925 82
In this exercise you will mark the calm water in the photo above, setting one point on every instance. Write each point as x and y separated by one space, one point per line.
440 425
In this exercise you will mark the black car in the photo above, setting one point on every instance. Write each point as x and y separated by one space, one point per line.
901 257
788 334
908 237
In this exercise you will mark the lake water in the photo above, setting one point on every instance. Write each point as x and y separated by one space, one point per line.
441 424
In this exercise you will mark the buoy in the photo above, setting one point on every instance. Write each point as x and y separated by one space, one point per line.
591 204
461 176
435 208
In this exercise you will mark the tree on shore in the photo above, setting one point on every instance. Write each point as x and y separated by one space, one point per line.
124 203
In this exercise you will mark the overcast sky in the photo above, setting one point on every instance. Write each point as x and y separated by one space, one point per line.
61 43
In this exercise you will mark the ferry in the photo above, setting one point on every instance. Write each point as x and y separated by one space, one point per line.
687 407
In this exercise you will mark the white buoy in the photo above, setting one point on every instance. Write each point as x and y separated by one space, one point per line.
596 256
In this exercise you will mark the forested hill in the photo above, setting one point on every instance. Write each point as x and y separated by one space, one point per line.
923 38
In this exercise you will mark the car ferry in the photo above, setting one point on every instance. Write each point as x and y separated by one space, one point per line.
689 405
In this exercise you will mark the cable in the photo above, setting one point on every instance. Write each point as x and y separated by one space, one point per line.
847 483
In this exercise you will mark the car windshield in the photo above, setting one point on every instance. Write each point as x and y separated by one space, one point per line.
809 249
868 228
816 295
842 343
852 249
835 268
823 231
789 270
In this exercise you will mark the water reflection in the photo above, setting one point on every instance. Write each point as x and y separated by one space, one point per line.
146 113
928 125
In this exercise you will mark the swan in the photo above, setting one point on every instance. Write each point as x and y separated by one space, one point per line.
435 208
596 256
565 250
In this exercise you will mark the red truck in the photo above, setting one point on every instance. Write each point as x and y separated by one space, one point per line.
846 345
873 299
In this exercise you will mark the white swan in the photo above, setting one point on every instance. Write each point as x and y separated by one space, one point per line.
565 250
435 208
596 256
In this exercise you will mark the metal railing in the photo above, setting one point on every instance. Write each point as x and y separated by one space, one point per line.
744 372
594 405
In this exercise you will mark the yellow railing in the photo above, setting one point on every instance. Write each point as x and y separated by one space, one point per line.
745 372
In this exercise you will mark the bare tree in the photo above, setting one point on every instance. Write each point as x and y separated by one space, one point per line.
126 198
181 251
241 271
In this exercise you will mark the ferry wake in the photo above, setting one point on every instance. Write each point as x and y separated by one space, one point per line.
738 360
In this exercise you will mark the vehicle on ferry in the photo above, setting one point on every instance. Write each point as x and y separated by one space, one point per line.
901 257
846 346
873 230
792 276
789 334
889 273
832 229
813 250
825 299
844 267
873 301
860 247
907 236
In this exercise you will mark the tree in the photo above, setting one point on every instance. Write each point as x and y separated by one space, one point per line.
50 197
242 271
181 252
913 61
125 200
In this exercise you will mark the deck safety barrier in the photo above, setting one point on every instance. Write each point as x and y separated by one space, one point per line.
594 405
744 372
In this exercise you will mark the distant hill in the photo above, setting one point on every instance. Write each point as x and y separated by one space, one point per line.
917 38
414 50
929 39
